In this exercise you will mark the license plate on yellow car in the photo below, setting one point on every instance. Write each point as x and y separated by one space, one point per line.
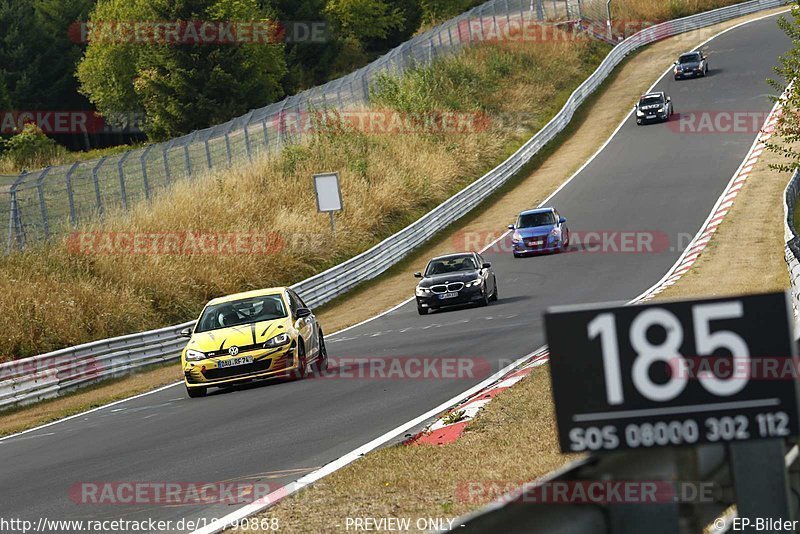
233 362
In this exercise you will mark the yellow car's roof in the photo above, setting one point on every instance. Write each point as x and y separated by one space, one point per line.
248 294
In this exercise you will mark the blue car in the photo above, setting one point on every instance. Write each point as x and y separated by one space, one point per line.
539 230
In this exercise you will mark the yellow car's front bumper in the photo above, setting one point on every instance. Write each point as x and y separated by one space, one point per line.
266 364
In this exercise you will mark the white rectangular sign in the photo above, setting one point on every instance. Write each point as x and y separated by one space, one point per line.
329 195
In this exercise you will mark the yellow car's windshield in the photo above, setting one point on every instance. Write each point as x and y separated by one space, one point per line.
239 312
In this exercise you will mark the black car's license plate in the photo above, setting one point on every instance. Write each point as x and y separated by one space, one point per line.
450 295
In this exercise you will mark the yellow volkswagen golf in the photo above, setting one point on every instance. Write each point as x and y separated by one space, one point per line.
260 334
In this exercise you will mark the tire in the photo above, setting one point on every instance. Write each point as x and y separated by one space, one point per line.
484 301
196 393
321 365
496 294
517 255
421 310
302 367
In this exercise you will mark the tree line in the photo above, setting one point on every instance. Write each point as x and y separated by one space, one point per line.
54 56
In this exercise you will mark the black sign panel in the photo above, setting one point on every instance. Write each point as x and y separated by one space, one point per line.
673 373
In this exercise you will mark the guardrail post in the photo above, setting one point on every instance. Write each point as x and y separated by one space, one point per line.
145 181
228 143
759 475
96 181
208 149
186 158
16 234
122 189
165 156
42 204
265 132
73 218
246 122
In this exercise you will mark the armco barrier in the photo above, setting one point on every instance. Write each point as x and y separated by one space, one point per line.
58 371
792 247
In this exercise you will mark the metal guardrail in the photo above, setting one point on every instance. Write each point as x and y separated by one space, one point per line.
49 202
709 465
792 247
58 371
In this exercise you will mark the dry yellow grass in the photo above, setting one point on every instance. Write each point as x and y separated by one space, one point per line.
57 296
633 77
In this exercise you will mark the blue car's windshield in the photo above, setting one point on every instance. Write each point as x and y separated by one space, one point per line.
531 220
239 312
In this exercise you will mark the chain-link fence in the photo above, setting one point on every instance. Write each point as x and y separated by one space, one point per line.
48 203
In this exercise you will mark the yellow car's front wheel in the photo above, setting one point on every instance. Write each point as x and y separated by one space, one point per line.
196 392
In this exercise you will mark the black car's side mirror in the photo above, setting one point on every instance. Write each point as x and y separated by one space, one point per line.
669 99
302 312
186 332
486 265
417 275
562 220
510 226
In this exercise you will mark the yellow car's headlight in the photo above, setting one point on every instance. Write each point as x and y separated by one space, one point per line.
194 356
277 341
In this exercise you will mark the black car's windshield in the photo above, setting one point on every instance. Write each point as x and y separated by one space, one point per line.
450 265
650 101
689 58
531 220
239 312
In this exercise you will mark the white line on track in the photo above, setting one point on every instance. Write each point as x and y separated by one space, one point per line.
348 458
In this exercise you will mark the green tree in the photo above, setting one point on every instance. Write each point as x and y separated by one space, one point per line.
364 20
788 128
186 86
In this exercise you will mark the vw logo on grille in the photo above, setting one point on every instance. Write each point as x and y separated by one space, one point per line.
233 351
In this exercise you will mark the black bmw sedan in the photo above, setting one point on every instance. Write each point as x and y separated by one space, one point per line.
455 279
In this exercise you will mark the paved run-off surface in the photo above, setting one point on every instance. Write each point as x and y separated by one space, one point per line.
647 179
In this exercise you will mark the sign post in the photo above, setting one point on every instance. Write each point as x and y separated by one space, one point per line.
677 374
329 195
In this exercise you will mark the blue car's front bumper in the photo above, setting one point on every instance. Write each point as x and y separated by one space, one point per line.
532 246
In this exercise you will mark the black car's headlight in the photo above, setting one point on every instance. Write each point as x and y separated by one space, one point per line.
194 356
473 283
422 291
277 341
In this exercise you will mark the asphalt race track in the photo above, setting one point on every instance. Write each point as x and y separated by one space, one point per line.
648 179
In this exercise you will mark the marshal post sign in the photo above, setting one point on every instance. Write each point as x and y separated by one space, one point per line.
673 373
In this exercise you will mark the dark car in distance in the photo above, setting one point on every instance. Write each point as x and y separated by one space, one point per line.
455 279
654 107
690 64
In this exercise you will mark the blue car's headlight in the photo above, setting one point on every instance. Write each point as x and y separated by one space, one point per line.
277 341
194 356
516 238
473 283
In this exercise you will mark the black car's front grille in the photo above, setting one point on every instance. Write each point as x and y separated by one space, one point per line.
452 287
259 366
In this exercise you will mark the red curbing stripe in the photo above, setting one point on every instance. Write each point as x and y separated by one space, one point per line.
443 436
